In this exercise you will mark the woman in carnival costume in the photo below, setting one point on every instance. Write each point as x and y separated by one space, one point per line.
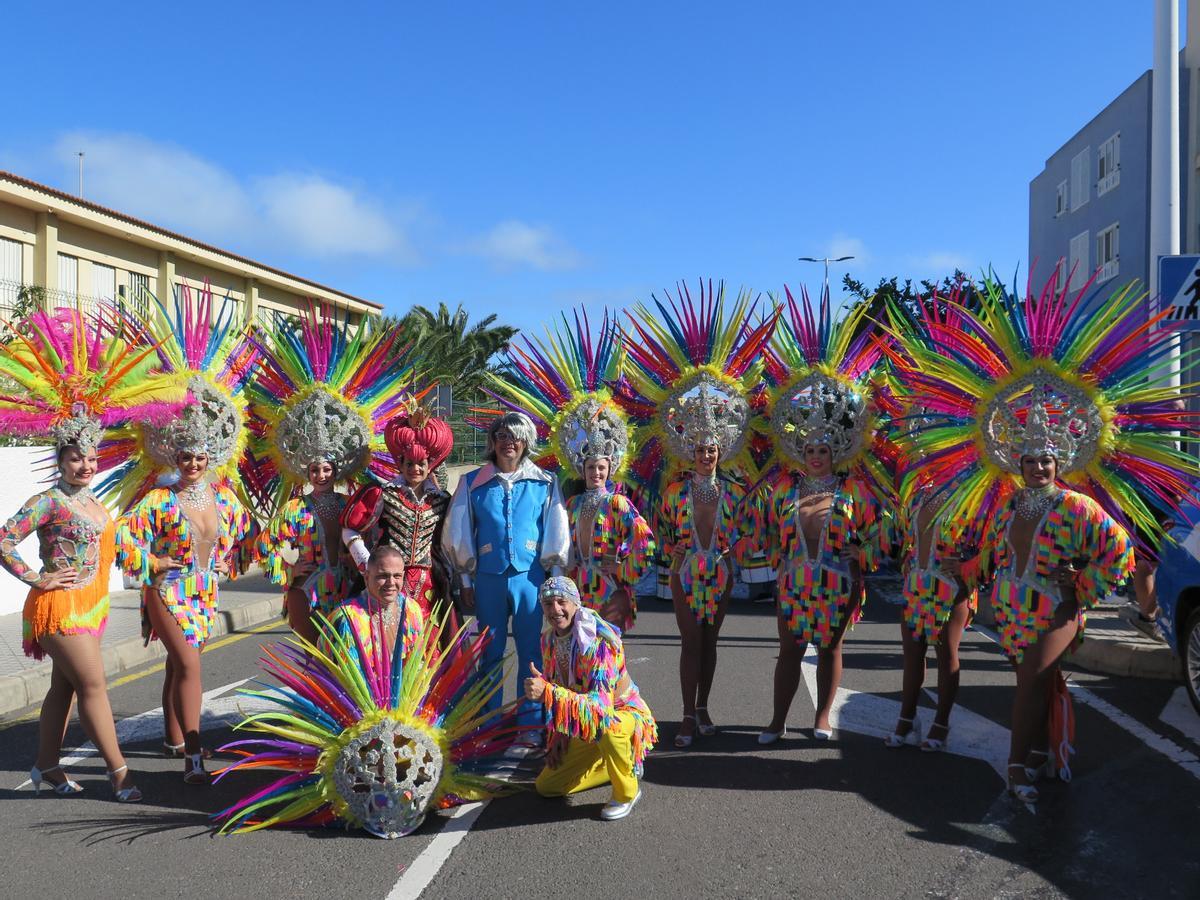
366 740
562 384
1056 391
72 385
687 388
179 541
319 405
823 511
409 512
600 728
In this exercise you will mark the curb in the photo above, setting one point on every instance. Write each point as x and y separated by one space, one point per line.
29 687
1124 652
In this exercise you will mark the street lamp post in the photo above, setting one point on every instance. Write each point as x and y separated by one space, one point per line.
826 260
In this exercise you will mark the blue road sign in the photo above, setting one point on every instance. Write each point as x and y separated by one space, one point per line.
1179 287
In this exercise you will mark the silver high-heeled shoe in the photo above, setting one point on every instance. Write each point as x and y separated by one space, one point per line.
704 730
65 787
911 738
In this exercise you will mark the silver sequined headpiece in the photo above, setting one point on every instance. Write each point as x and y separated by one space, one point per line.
702 412
1061 420
209 424
559 586
322 427
79 430
819 409
593 430
387 775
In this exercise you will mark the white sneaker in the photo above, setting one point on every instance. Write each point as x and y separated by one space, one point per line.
769 737
613 810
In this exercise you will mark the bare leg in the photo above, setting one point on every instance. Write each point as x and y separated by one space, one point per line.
787 675
300 615
1037 666
1143 587
172 730
914 677
829 669
52 722
184 671
709 635
77 656
948 666
689 656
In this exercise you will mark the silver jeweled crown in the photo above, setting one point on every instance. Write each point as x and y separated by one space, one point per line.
322 427
818 409
1061 420
210 424
593 429
701 412
80 430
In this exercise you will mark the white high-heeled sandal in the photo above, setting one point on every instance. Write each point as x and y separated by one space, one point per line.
705 730
936 745
129 794
65 787
911 738
1026 793
683 741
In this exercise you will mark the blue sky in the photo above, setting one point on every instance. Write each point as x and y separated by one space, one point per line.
521 158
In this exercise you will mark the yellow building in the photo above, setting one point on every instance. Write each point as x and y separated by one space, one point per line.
75 249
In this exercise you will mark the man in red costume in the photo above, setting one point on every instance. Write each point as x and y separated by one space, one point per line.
408 512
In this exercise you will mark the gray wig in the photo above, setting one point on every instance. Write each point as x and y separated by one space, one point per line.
519 426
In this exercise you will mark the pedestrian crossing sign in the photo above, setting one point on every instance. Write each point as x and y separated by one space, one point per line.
1179 288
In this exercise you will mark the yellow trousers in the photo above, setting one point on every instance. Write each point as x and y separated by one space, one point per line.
586 765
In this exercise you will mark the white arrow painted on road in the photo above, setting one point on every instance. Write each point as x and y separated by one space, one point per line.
974 736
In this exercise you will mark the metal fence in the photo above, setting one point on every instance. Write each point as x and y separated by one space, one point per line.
470 444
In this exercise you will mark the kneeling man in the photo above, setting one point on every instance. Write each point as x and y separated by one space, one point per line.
600 729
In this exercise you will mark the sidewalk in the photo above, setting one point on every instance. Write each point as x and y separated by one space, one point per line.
249 601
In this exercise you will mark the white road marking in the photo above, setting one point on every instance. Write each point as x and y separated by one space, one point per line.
1181 715
429 862
217 712
974 736
1185 759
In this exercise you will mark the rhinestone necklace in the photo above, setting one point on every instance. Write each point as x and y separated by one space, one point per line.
705 490
590 505
75 491
197 495
1032 503
325 504
820 486
389 613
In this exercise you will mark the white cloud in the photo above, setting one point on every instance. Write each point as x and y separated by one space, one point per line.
171 186
513 243
159 182
943 262
328 219
845 245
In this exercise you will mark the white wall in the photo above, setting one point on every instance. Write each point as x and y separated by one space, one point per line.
22 470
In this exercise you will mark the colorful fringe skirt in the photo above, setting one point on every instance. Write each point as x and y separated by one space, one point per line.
704 576
813 602
78 611
1024 614
928 602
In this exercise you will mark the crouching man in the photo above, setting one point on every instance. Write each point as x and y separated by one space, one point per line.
599 728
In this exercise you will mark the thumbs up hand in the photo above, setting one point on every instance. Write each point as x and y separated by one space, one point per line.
535 686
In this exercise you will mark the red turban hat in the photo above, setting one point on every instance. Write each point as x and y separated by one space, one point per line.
419 436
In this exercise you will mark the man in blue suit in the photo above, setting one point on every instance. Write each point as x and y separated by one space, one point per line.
506 530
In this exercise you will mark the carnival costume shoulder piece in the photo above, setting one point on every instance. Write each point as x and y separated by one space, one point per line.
73 385
367 741
203 350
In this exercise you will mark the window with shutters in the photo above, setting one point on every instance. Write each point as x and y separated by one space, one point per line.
104 282
1108 253
12 276
68 275
1060 200
1060 273
1079 264
1081 175
1108 165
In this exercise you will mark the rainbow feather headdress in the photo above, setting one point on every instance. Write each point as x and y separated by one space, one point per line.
1086 379
74 382
822 372
325 392
204 352
693 369
366 740
561 383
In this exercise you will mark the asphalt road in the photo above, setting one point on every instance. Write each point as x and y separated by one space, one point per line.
726 818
